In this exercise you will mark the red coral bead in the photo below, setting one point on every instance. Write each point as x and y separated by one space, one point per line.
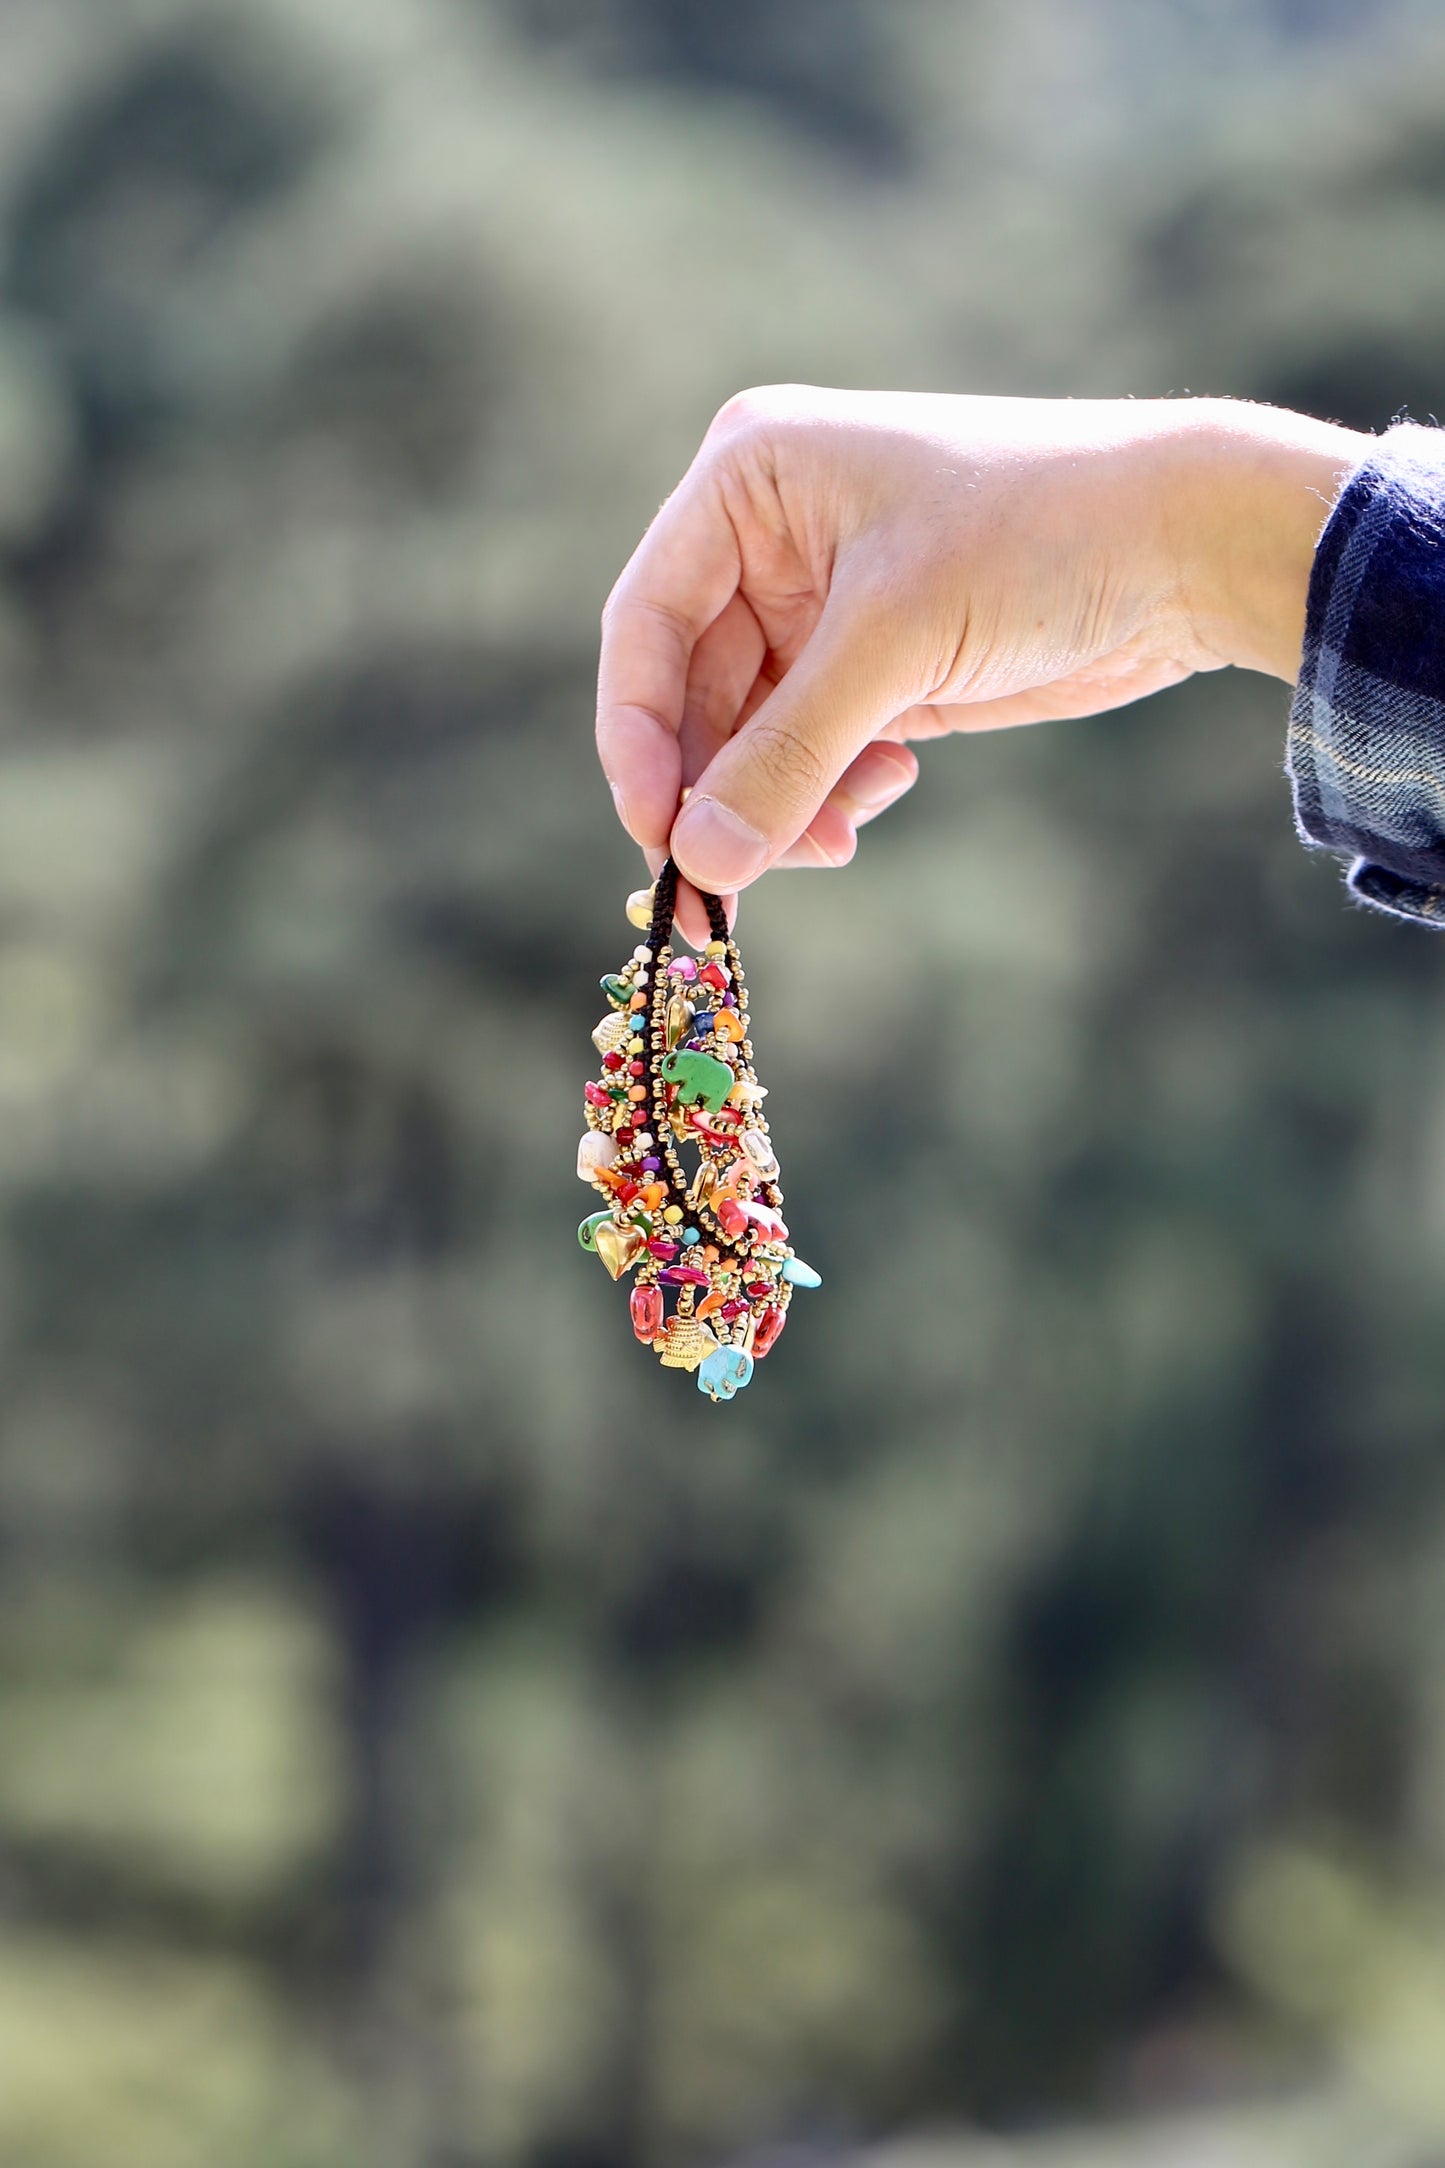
612 1061
769 1325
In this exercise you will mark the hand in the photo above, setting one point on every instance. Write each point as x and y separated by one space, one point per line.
840 572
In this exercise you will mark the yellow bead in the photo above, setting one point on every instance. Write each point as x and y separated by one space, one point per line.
673 1214
639 907
716 948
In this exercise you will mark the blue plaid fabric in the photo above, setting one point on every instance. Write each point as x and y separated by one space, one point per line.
1367 726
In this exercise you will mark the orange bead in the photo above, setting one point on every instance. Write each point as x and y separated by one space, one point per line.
637 1091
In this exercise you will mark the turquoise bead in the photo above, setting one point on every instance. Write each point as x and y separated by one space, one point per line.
689 1236
725 1372
801 1275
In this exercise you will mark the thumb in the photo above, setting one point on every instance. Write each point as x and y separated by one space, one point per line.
763 787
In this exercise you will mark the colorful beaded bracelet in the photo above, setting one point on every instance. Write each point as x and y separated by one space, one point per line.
677 1070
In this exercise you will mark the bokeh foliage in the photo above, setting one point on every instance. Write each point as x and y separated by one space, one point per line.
430 1734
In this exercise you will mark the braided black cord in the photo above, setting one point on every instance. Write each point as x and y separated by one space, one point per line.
717 917
664 905
659 933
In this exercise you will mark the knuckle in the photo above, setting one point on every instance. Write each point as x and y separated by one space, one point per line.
792 768
746 412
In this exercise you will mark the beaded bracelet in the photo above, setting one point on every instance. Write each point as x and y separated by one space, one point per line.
677 1069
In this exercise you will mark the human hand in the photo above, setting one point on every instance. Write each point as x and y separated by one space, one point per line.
840 572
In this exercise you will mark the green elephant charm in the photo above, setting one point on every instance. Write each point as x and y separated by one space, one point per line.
701 1079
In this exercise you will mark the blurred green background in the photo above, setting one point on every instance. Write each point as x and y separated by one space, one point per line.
430 1736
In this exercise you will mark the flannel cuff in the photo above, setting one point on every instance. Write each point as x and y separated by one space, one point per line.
1366 746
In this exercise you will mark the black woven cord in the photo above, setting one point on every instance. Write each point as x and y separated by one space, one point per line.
717 917
659 933
664 906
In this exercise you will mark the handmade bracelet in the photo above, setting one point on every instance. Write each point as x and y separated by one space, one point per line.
677 1070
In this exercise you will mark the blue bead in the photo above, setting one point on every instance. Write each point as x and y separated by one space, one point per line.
689 1236
725 1372
800 1274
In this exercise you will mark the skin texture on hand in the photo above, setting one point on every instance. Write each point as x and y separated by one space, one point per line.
840 572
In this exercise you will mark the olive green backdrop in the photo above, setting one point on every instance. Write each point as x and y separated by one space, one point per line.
430 1736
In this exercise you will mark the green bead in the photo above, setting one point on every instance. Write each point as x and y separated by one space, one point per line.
644 1221
587 1232
618 992
701 1079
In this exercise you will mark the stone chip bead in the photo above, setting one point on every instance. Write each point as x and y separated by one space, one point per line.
760 1152
594 1152
768 1330
639 907
801 1275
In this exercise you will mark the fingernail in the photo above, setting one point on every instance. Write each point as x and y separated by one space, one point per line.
715 847
884 781
618 801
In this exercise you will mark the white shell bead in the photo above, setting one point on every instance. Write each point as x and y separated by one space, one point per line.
595 1150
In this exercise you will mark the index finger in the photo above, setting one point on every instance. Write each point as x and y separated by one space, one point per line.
680 577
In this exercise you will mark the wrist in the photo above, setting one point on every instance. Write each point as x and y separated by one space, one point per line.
1252 489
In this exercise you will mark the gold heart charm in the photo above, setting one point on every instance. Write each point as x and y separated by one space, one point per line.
618 1247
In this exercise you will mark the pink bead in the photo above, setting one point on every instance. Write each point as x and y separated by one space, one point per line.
646 1307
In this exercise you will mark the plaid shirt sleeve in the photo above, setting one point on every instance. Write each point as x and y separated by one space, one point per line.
1367 726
